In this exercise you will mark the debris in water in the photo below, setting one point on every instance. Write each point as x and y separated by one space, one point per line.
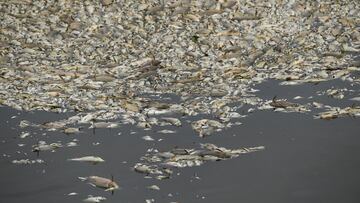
27 161
150 200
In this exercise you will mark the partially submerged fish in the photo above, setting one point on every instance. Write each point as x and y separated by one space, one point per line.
94 199
89 159
100 182
45 147
206 127
71 130
160 164
172 121
153 187
282 103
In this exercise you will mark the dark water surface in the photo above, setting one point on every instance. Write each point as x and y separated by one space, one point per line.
305 160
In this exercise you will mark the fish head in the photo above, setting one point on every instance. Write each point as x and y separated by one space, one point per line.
112 186
99 159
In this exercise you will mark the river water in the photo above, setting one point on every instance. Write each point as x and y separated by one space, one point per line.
305 159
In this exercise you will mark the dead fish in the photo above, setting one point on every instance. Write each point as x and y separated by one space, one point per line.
155 9
104 125
172 121
241 17
355 99
100 182
103 78
165 131
282 103
148 138
53 125
327 116
206 127
90 159
24 134
180 151
45 147
219 154
24 124
165 155
155 112
229 4
142 168
94 199
71 130
87 118
153 187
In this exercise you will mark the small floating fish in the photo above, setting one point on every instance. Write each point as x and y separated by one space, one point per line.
282 103
148 138
91 159
172 121
165 131
153 187
100 182
94 199
71 130
46 147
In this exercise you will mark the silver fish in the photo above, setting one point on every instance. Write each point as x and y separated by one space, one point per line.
100 182
89 159
94 199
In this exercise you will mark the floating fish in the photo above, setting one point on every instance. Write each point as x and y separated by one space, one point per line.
165 131
172 121
161 163
148 138
282 103
95 199
100 182
71 130
153 187
42 146
206 127
89 159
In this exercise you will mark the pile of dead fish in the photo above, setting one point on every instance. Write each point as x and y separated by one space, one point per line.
150 63
104 56
161 164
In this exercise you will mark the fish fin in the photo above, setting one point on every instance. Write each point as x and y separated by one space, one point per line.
92 184
110 189
82 178
274 98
